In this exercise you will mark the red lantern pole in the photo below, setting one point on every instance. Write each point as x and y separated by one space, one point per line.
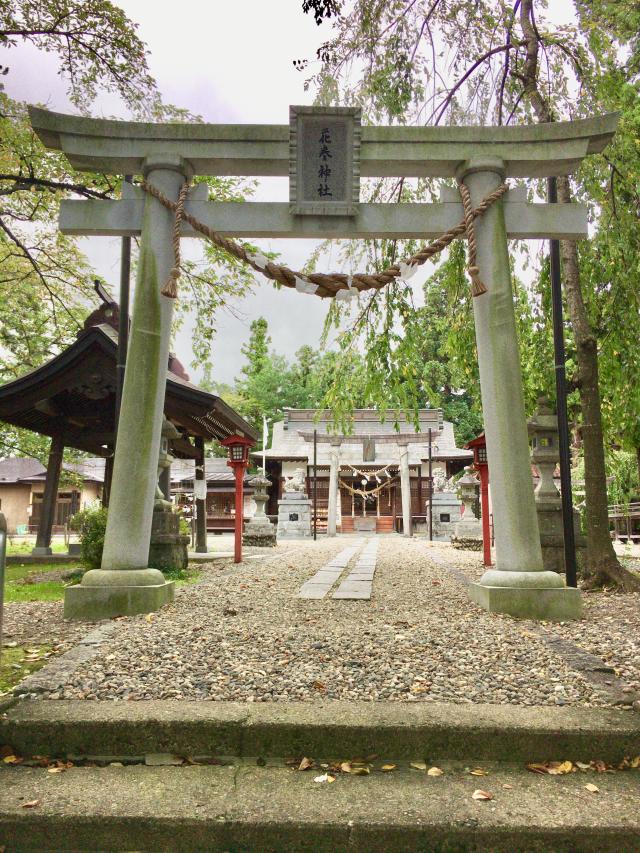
239 469
238 447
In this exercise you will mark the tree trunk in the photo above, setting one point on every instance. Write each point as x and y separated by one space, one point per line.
602 565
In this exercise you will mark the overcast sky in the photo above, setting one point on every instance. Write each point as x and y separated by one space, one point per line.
228 62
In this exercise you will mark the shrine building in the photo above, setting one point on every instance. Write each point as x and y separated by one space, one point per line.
369 465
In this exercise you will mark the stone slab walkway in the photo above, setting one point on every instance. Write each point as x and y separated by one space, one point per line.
359 582
320 584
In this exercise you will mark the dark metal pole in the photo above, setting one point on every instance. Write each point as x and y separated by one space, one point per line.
430 490
561 397
315 484
123 320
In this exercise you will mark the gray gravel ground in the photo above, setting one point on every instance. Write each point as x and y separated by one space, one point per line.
242 634
40 623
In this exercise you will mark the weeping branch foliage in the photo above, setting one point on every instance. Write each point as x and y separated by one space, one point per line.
430 62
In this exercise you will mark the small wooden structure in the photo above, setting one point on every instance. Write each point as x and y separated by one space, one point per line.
625 522
71 398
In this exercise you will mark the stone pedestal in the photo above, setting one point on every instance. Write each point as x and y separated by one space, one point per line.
294 516
445 514
467 533
543 429
168 547
259 531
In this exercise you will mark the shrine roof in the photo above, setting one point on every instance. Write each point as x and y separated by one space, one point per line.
74 394
292 438
22 469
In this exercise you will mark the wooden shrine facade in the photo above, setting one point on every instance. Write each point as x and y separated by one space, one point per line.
371 453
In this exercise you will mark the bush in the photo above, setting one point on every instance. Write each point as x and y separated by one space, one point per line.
91 524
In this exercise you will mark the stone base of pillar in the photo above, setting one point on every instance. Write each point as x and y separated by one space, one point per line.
41 551
527 595
294 516
105 594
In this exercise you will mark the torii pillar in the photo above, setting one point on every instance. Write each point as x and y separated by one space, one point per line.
125 584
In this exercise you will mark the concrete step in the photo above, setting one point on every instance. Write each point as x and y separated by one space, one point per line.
276 808
414 731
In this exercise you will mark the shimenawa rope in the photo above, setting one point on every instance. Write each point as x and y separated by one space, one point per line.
321 283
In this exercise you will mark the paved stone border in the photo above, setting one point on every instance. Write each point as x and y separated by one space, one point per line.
55 674
359 582
320 584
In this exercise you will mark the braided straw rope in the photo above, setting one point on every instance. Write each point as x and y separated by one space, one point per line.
332 283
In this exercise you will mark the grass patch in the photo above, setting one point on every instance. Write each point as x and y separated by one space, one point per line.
18 548
16 589
18 662
49 591
183 577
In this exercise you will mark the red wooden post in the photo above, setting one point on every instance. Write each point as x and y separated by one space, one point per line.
238 446
237 549
481 464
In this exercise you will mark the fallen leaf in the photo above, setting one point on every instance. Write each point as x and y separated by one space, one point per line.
552 768
508 787
479 771
435 771
325 777
345 767
581 766
30 805
481 795
561 768
12 759
149 618
418 765
56 769
635 762
387 768
592 788
305 764
360 771
318 685
600 766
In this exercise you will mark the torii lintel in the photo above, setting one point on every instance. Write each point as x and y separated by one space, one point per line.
121 147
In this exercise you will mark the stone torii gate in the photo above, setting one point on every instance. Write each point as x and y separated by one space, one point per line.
167 154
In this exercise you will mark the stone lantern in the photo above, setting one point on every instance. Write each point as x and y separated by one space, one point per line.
167 546
259 530
468 532
545 454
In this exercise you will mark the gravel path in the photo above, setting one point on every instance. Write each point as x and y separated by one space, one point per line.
243 634
40 623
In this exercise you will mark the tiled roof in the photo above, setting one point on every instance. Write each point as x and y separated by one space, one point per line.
292 438
215 468
21 469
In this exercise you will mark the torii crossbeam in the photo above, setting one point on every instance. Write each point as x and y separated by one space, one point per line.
482 157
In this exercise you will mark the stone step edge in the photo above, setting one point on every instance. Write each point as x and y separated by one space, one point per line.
221 809
329 728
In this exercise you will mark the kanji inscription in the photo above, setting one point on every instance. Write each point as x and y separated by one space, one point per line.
325 161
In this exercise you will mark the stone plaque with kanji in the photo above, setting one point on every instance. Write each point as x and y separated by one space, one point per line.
324 168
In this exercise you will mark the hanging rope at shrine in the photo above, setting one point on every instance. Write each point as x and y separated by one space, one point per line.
337 285
364 493
370 475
